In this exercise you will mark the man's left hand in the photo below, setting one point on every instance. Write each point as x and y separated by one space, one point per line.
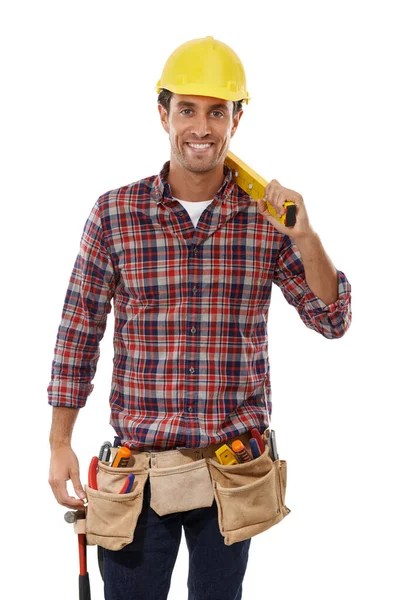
276 195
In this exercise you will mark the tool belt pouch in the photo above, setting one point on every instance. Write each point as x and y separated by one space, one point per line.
111 517
250 496
180 488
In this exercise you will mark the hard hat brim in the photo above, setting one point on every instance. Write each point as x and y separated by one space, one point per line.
200 90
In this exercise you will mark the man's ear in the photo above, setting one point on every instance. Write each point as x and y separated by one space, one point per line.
235 123
163 117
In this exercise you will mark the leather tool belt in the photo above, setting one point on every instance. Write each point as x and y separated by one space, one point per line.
250 496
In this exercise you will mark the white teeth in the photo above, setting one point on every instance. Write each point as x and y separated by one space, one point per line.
200 146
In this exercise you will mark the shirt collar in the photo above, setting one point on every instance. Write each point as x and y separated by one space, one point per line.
162 190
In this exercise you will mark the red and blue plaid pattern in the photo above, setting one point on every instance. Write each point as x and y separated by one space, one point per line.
191 306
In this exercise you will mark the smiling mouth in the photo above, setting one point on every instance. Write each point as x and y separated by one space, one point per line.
199 147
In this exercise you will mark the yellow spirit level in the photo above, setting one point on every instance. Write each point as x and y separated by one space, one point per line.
254 185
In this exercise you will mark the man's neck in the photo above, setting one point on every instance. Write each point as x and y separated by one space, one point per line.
194 187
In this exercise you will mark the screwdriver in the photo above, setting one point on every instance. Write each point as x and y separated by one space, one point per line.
128 485
255 448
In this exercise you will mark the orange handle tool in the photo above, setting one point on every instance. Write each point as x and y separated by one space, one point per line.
122 457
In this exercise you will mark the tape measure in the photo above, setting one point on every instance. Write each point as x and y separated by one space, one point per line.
226 456
254 185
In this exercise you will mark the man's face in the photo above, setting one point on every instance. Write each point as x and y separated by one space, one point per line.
200 129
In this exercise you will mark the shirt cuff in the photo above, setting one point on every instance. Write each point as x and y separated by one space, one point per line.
68 393
315 306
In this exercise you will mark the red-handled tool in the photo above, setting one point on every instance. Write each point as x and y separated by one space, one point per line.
257 436
84 583
92 475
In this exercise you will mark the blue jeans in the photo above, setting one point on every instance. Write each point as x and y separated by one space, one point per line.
142 570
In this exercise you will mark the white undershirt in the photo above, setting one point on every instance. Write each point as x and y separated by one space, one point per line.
195 209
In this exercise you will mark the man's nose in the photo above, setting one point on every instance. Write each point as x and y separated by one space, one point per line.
200 126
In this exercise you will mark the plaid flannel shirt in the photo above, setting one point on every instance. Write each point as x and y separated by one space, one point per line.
191 305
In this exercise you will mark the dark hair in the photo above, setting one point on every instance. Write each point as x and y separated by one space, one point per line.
164 98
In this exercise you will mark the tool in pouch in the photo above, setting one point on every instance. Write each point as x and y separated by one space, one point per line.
114 502
114 495
237 453
254 185
78 518
120 460
249 487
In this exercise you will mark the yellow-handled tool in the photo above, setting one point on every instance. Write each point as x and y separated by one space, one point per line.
254 185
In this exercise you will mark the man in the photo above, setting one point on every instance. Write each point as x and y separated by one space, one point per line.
189 260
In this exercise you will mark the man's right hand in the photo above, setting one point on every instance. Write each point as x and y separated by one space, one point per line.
64 466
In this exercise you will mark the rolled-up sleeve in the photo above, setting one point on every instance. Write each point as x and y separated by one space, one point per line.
87 304
331 320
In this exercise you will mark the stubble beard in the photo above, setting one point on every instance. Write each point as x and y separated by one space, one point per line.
195 165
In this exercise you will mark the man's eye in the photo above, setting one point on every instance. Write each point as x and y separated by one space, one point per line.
218 113
186 110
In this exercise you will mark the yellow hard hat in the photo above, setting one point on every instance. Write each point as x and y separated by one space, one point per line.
205 67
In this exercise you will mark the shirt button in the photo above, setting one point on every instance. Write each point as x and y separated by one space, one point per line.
193 330
190 409
194 290
195 251
191 370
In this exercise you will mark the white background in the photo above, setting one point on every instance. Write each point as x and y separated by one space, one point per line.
79 118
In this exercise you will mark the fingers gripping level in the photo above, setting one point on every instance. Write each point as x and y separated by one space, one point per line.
254 185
